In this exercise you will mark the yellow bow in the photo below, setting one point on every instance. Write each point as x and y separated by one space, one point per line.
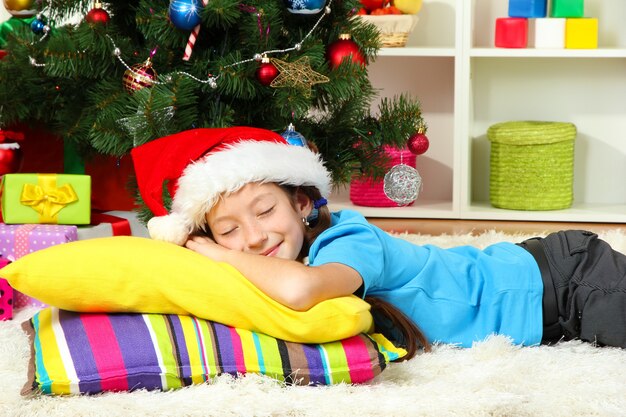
46 198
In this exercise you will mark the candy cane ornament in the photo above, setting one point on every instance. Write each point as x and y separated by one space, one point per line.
192 37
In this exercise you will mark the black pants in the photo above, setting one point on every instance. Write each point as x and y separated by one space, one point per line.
588 282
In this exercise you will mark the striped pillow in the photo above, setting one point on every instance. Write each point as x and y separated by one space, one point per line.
88 353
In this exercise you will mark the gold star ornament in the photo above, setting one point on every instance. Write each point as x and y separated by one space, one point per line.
298 74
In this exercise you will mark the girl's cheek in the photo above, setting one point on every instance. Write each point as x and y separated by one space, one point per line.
230 243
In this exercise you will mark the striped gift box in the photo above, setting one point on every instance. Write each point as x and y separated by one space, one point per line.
88 353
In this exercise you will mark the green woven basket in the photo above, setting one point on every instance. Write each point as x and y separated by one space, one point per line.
532 165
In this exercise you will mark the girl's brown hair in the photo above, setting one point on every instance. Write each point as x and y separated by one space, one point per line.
388 319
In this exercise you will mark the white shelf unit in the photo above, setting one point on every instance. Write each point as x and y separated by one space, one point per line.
465 85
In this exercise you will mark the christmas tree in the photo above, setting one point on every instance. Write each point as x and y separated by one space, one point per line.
111 76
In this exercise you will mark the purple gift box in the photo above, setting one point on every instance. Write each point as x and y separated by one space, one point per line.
17 240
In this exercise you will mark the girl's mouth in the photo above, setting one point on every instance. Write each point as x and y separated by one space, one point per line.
271 251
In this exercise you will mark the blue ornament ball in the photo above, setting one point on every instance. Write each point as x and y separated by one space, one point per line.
305 6
38 25
292 137
185 14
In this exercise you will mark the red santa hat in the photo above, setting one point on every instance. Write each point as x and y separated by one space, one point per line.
198 165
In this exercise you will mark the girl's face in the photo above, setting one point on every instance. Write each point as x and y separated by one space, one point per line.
260 219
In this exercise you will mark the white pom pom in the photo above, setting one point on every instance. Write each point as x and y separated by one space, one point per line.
172 228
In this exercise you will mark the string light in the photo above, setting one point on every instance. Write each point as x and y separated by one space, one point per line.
46 31
50 11
211 80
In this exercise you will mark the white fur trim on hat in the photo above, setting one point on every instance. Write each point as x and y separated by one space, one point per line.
229 169
172 228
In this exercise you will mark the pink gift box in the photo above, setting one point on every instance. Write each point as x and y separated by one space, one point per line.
6 296
19 240
6 300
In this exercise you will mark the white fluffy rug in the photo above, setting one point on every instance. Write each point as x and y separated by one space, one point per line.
494 378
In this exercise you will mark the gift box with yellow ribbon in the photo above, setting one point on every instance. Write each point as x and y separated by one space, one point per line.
46 199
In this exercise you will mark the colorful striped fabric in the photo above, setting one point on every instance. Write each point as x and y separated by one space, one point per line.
77 353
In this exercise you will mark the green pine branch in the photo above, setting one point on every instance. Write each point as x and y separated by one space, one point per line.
72 79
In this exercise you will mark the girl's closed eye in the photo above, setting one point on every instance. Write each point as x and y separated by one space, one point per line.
227 231
266 212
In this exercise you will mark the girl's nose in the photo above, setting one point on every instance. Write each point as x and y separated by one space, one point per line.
255 236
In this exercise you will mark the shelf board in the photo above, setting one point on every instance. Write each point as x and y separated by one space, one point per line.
548 53
420 209
417 51
425 209
579 212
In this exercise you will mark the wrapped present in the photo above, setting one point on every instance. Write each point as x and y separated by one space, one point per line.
6 300
46 199
36 139
110 176
113 223
109 182
6 295
19 240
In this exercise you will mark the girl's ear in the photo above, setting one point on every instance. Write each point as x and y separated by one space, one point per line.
303 203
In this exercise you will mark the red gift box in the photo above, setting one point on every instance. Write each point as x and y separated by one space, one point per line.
109 182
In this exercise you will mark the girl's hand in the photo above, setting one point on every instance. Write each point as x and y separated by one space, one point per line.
206 246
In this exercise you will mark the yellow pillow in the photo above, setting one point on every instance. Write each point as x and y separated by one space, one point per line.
140 275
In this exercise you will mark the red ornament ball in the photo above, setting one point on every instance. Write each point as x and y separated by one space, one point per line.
418 143
373 4
11 158
98 15
344 48
266 72
139 76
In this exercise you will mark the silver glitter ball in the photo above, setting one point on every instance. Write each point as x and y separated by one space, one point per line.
117 52
327 10
402 184
297 46
258 57
212 83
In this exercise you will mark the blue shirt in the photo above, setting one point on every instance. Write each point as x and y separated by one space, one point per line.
458 295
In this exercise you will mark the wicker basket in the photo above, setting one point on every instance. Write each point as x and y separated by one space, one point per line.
365 191
532 165
394 29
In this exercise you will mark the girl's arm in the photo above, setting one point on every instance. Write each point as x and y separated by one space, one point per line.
291 283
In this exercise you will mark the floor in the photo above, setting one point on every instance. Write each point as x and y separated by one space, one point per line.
437 227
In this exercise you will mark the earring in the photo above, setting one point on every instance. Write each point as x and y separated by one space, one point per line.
305 222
